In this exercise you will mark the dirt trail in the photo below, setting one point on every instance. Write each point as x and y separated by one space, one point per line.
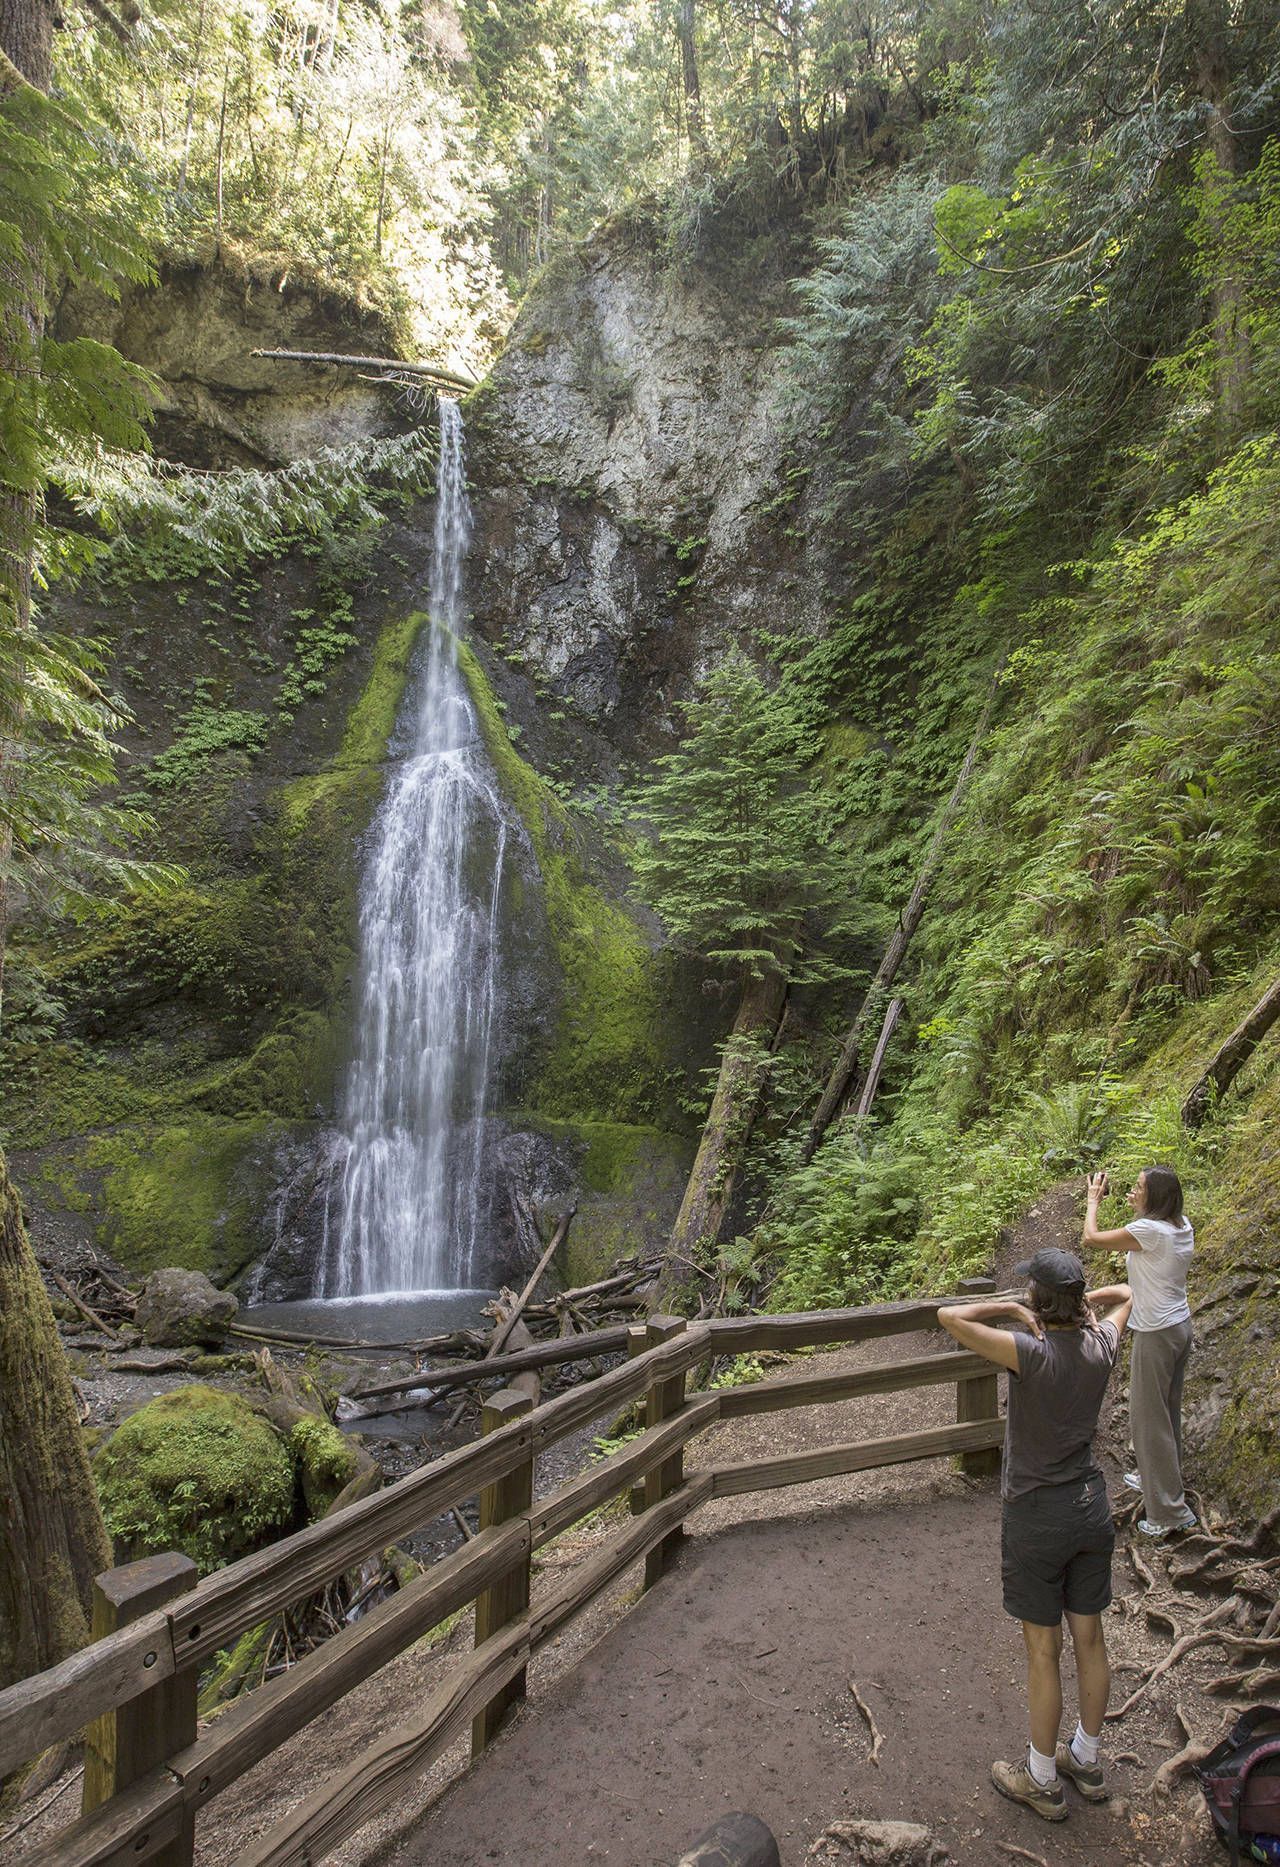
728 1685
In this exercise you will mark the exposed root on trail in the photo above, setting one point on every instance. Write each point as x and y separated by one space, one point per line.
1194 1751
1246 1624
873 1729
1021 1854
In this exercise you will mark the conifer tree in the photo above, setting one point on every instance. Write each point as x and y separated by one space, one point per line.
743 866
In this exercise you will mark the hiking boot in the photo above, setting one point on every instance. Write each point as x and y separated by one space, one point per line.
1157 1530
1015 1781
1133 1481
1087 1777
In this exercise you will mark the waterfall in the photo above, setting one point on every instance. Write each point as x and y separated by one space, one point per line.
412 1205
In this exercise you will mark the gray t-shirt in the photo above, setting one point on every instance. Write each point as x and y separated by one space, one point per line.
1054 1402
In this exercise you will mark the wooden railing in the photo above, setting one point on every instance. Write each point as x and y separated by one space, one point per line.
149 1775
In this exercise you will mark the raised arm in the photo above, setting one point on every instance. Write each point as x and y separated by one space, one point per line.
1122 1239
971 1325
1112 1304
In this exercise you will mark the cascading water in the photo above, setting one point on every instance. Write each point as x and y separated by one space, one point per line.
411 1209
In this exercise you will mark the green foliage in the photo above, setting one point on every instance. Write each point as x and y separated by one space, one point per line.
744 850
201 734
739 1371
195 1470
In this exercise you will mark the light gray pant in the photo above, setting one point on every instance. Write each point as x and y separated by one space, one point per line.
1156 1374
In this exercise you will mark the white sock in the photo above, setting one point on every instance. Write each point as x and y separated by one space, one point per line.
1044 1770
1085 1748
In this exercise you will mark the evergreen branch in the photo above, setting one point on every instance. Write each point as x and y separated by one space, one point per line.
1008 272
121 28
11 79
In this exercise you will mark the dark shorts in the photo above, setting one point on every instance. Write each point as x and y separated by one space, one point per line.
1055 1551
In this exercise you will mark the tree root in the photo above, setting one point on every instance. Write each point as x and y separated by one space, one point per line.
1192 1752
1205 1633
1022 1854
1251 1683
873 1729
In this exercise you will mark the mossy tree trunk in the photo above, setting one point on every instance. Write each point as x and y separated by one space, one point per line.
728 1129
52 1539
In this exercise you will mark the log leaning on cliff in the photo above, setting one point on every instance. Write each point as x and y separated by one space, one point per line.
726 1132
838 1082
1232 1057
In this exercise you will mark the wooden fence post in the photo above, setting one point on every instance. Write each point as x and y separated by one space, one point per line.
126 1743
637 1343
663 1399
979 1399
509 1595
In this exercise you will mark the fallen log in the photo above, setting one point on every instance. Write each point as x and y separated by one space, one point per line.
909 919
541 1355
501 1335
1231 1057
396 365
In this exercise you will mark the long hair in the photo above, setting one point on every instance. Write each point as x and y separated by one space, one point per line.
1064 1309
1164 1193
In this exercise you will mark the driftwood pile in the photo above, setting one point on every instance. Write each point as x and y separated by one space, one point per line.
560 1333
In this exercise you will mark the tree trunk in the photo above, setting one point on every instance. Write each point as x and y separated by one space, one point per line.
841 1076
1232 1057
1208 28
26 42
726 1133
692 84
52 1540
192 94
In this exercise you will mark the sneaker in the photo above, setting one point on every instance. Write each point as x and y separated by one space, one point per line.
1157 1530
1087 1777
1015 1781
1133 1481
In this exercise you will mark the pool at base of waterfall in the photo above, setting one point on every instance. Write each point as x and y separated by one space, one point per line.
398 1316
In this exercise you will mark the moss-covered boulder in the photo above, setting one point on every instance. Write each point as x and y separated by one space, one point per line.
200 1471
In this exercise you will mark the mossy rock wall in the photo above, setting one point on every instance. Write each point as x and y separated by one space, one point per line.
171 1072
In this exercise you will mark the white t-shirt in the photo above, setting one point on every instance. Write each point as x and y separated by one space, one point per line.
1158 1273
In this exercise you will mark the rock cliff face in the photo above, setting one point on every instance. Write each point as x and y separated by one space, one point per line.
623 459
219 405
634 513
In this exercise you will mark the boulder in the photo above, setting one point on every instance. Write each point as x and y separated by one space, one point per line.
197 1470
182 1309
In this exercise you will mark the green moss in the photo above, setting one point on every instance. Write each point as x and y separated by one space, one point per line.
369 726
326 1462
199 1471
609 1053
190 1193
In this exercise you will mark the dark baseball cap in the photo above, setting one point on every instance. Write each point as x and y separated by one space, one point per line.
1052 1269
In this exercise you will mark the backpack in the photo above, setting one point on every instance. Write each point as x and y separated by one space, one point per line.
1241 1782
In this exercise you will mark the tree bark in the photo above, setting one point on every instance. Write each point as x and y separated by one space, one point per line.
726 1133
838 1082
52 1539
692 83
26 42
1208 27
1232 1057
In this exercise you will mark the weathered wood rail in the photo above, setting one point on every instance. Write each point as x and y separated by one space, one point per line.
134 1685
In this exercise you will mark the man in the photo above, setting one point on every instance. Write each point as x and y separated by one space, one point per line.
1056 1533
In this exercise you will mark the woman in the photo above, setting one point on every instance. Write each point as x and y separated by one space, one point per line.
1159 1242
1056 1533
